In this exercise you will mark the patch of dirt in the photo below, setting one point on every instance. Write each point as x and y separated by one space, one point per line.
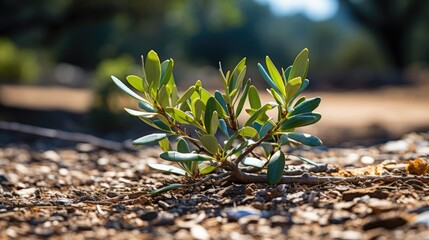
84 192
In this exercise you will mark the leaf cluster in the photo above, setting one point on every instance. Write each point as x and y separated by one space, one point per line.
196 117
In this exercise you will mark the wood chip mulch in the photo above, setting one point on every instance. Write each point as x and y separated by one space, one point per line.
88 193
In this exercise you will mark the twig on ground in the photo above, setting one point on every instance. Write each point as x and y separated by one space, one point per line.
66 136
209 178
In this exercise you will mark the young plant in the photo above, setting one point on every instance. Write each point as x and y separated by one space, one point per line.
197 116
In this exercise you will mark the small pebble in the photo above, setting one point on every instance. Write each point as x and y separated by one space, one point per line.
239 212
367 160
396 146
103 161
199 232
422 218
52 156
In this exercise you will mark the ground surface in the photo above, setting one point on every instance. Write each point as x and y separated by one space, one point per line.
87 193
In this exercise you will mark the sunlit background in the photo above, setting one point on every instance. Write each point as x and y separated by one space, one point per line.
368 59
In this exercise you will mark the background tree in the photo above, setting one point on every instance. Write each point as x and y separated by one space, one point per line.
392 22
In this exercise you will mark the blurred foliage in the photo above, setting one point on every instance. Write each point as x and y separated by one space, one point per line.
106 98
360 51
121 66
16 64
375 35
394 24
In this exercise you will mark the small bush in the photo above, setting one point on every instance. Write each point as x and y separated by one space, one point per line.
197 116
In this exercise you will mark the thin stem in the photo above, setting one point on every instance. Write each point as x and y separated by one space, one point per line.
181 132
210 177
252 147
233 119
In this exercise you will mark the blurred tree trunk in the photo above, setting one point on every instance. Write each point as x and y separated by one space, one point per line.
390 21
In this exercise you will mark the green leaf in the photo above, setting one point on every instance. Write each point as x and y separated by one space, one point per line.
154 137
210 108
146 106
230 141
173 95
153 69
166 70
164 144
198 84
292 88
156 124
268 78
204 95
307 106
163 120
220 108
243 98
258 113
275 75
208 169
240 78
224 80
167 168
161 125
140 114
236 72
136 82
257 126
162 97
144 78
185 107
184 157
180 116
248 131
267 148
276 167
223 127
254 99
197 108
265 129
252 162
287 72
221 100
304 85
300 65
166 188
182 145
233 92
214 123
300 120
210 143
238 148
283 140
305 138
186 95
277 97
300 100
124 88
